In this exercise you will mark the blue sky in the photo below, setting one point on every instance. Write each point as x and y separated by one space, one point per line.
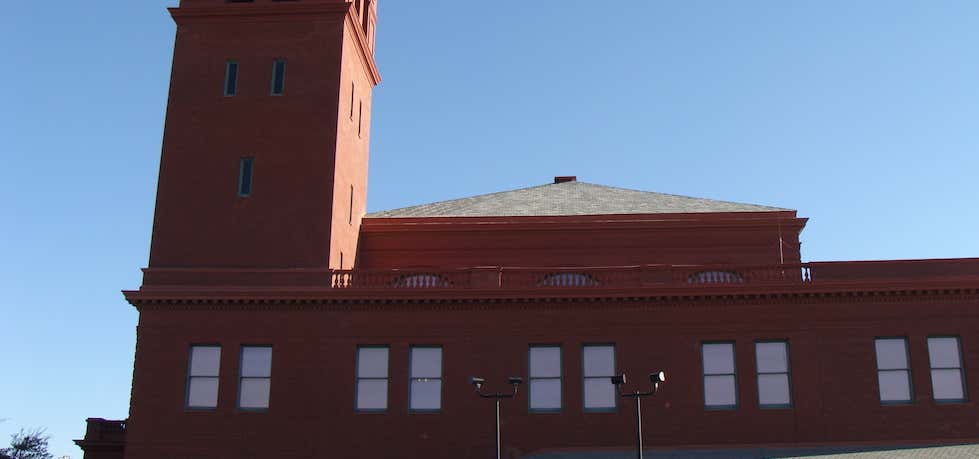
864 116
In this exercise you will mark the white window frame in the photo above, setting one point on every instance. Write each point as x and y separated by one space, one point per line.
733 375
412 378
191 377
531 378
585 377
759 373
386 379
960 368
906 370
242 377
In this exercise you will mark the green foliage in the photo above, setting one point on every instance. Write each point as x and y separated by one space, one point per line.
31 444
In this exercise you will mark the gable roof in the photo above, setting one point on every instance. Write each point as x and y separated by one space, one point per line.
570 198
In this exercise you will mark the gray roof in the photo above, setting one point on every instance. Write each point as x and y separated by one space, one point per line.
570 198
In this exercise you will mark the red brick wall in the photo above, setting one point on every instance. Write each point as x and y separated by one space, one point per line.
623 240
312 400
286 222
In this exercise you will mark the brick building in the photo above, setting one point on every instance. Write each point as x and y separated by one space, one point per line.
277 319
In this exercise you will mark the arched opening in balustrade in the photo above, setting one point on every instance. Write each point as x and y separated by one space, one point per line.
568 280
421 281
715 277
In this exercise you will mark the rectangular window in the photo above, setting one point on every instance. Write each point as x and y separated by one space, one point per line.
372 378
720 381
231 78
947 377
545 378
599 367
772 362
255 382
202 377
245 172
426 378
278 77
893 371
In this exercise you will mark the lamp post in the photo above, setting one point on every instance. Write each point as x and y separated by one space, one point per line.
498 396
656 378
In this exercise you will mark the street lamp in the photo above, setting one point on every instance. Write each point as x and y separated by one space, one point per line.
515 382
656 378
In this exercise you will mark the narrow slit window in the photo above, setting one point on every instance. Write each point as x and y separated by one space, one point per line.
372 378
350 207
772 362
893 371
545 378
202 377
278 77
360 119
720 381
255 383
947 377
599 367
353 92
231 78
245 173
425 379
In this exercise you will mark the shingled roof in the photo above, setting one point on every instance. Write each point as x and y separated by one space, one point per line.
570 197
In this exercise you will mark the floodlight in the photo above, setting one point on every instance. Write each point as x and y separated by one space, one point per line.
515 380
657 377
477 382
618 380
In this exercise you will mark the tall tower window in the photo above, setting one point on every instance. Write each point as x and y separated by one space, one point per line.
231 78
278 77
353 91
350 208
360 120
245 172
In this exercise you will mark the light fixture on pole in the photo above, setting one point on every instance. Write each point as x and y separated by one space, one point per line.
656 378
478 383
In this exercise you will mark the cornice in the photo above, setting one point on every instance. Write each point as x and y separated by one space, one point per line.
364 51
582 223
245 298
258 11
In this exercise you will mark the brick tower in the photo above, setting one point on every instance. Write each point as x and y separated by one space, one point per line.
265 152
